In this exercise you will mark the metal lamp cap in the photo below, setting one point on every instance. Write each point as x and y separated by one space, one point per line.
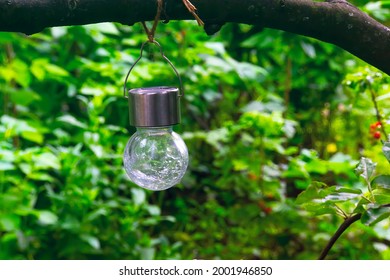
154 106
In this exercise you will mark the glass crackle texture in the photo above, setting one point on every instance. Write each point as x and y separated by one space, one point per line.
155 158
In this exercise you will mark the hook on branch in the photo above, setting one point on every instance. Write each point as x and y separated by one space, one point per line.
150 32
192 9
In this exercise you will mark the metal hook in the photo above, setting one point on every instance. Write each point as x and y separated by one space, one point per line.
181 88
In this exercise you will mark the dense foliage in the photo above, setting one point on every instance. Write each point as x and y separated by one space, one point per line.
275 125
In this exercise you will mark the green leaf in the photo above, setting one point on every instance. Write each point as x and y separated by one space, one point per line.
37 68
317 166
341 194
91 240
46 160
7 37
138 196
98 150
218 47
360 206
6 166
320 209
26 168
39 176
56 70
383 97
108 28
339 189
9 222
68 119
239 165
386 150
382 181
22 76
247 71
41 67
308 195
331 195
47 218
153 210
375 215
381 196
96 214
365 168
105 27
147 253
33 136
309 49
58 32
23 96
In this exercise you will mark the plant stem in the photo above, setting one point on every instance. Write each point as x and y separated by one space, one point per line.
345 216
381 240
261 169
378 115
287 84
10 54
349 221
370 189
370 201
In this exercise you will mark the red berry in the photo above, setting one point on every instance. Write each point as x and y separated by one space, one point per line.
263 206
252 176
378 124
377 135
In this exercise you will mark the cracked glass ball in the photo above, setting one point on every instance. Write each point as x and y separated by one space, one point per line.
155 158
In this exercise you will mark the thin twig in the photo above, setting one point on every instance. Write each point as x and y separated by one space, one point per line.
349 221
345 216
381 240
157 17
192 9
147 31
150 32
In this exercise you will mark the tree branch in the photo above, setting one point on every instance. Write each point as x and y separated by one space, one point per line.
381 240
336 22
349 221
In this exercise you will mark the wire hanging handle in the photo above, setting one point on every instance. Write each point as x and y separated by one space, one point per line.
181 88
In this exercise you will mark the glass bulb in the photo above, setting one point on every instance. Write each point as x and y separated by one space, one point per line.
155 158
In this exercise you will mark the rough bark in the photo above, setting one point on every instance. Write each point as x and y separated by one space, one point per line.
336 21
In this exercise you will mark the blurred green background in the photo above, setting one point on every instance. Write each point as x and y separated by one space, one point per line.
266 115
